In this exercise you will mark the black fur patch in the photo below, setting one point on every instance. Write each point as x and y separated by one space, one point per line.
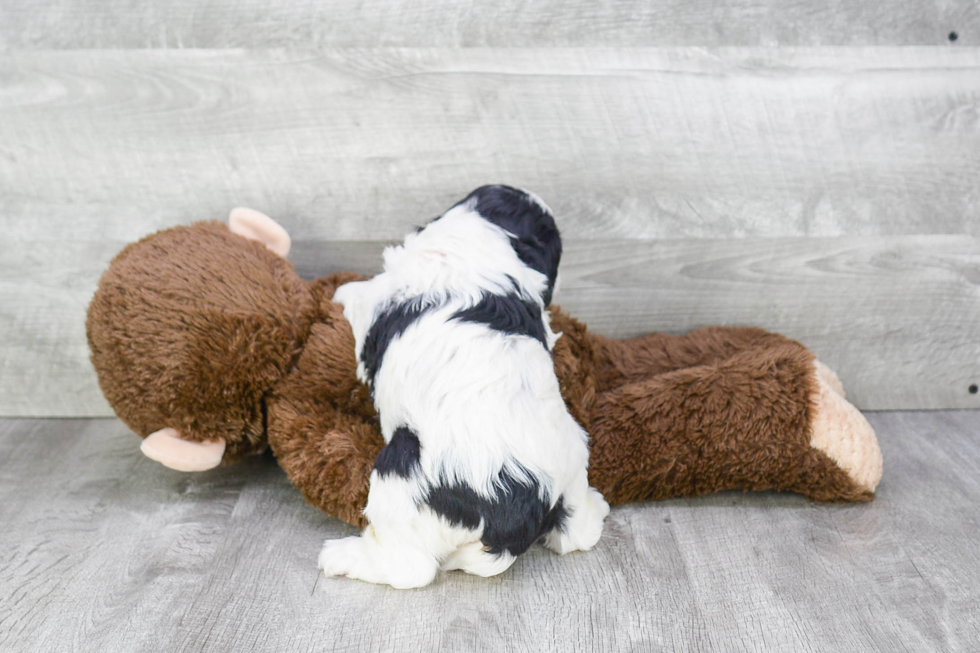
506 313
535 236
401 455
390 324
512 521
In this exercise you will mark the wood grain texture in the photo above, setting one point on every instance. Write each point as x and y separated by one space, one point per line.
105 550
757 151
623 143
896 317
76 24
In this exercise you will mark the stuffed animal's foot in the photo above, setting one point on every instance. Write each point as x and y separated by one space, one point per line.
829 377
842 432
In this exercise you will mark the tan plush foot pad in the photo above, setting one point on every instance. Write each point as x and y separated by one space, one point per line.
830 377
842 432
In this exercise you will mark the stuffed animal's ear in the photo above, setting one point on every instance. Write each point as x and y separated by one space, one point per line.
167 447
258 226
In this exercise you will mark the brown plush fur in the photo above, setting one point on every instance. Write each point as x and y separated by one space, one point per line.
191 327
201 330
716 409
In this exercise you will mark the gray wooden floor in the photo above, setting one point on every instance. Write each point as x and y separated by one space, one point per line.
102 550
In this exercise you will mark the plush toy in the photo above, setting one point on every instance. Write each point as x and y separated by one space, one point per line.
208 345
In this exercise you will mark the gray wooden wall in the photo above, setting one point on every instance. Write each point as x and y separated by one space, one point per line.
812 167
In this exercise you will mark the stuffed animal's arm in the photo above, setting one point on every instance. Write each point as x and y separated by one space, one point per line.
169 448
322 425
328 455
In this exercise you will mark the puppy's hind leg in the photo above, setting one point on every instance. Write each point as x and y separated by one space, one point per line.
377 556
401 546
473 558
582 526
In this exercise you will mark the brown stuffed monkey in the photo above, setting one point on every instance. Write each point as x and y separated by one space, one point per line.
208 345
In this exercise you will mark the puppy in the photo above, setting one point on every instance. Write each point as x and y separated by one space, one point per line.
482 457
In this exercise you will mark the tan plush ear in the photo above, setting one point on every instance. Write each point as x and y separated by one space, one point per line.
167 447
258 226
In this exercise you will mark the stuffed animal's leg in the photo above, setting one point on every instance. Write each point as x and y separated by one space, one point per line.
829 377
587 511
636 359
840 430
764 418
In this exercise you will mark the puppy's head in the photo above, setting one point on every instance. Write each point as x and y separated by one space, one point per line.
520 217
529 223
498 239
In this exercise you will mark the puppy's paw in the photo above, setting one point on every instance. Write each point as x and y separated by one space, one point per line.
341 557
364 558
590 528
584 528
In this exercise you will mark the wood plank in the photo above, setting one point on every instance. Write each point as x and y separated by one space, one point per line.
896 317
350 144
106 550
501 23
875 571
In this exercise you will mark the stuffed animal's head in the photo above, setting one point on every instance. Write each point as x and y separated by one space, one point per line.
189 331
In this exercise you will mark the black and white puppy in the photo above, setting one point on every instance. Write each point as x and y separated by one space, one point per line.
482 457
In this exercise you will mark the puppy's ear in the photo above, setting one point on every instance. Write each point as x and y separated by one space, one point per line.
523 214
255 225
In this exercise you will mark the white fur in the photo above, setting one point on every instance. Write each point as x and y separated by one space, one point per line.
479 400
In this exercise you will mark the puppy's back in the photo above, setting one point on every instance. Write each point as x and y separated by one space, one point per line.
454 340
